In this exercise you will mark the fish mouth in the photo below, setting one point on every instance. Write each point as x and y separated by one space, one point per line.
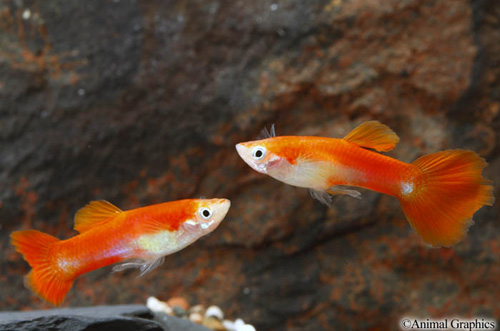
246 155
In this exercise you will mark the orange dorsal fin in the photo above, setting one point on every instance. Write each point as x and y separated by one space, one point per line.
373 134
94 214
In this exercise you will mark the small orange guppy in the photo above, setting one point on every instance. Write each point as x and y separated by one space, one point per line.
439 192
141 237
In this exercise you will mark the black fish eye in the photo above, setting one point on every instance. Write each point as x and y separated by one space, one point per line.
258 152
205 213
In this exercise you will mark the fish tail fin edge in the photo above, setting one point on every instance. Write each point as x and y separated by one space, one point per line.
450 190
44 279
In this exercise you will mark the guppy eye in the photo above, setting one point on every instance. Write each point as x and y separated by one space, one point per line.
258 152
205 213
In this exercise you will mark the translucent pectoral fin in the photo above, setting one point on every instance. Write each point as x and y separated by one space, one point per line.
144 265
322 196
129 264
326 197
150 265
345 190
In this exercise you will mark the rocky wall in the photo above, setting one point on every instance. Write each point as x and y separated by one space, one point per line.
140 102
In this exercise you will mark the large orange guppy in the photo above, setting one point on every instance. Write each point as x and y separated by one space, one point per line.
439 192
141 237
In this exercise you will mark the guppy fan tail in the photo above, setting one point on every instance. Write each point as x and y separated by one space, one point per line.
450 190
44 279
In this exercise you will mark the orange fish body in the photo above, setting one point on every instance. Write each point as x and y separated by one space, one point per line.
439 193
139 238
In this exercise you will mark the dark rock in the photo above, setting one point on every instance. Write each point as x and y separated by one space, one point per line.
169 322
179 311
105 318
127 317
139 102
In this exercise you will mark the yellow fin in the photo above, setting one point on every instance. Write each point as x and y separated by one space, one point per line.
94 214
373 134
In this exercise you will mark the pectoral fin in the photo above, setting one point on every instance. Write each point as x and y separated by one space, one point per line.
341 189
144 265
322 196
326 197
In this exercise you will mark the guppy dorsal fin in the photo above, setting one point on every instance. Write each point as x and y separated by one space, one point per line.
95 213
373 134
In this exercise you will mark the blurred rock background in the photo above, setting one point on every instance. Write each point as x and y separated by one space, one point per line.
140 102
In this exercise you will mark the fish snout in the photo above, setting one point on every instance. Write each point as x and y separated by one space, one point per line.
242 150
246 155
222 206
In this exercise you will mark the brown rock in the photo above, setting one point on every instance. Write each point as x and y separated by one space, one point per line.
148 108
199 309
178 302
196 318
213 323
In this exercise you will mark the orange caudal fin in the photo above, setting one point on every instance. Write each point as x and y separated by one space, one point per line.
439 204
44 279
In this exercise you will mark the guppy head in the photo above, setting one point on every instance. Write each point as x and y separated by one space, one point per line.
199 217
208 214
266 156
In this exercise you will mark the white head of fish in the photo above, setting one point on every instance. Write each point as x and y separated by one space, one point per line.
208 216
256 157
